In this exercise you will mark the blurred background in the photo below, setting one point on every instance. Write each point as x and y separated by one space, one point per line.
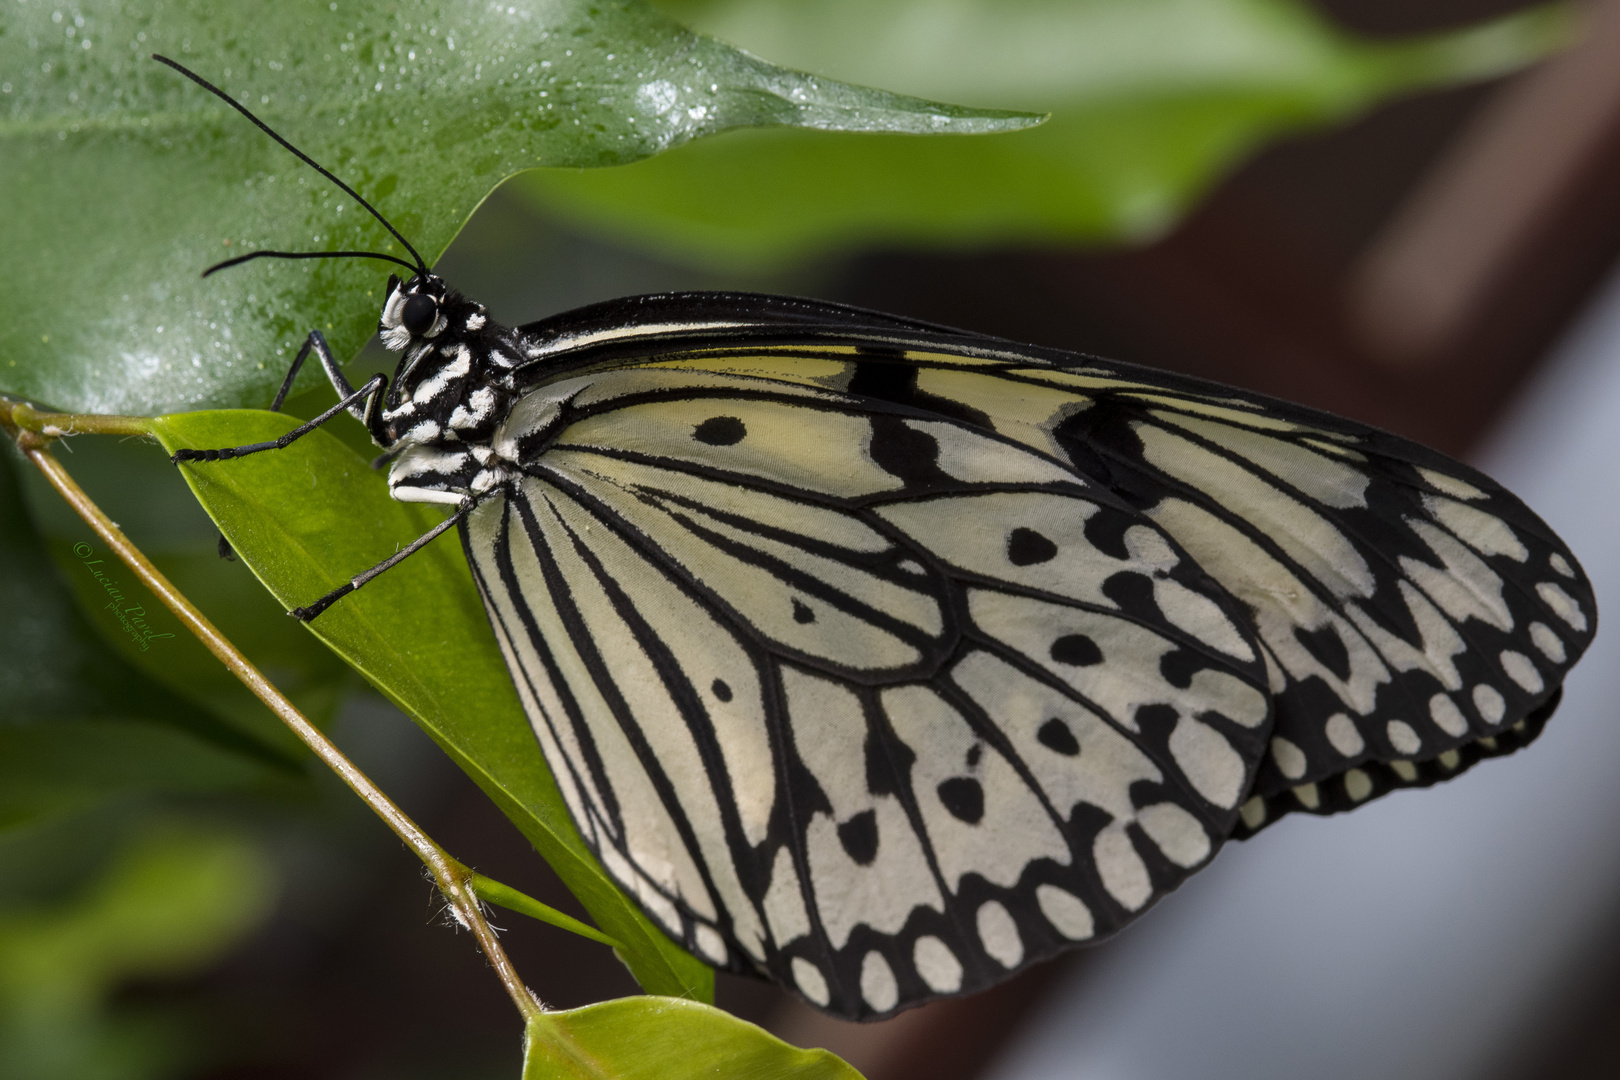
1404 212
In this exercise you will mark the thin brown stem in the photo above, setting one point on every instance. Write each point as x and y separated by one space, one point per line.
55 425
453 879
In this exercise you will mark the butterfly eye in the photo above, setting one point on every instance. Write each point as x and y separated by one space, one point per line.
418 314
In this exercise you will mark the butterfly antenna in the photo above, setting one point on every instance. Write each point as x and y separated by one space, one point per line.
420 266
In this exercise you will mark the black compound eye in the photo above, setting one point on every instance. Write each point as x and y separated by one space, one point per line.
418 314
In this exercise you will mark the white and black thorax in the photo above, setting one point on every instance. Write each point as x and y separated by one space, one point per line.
453 387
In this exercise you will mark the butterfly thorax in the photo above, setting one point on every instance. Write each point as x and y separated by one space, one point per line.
451 390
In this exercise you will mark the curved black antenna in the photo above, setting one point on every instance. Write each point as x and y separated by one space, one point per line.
420 267
308 255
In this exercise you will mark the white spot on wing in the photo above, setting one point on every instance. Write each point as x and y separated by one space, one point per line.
1563 605
811 982
1485 533
710 944
1066 912
998 933
1122 870
1488 700
1208 760
784 901
1402 737
1357 784
1460 489
1549 643
937 965
1447 717
1176 833
1290 758
878 985
1522 670
1344 736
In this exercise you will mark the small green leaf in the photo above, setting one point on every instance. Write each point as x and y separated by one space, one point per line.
122 180
310 517
660 1038
1152 101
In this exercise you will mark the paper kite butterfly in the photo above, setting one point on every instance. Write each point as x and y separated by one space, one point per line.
883 659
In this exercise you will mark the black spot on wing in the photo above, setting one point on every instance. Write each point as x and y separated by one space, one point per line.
1101 443
802 612
720 431
1178 666
1157 721
901 450
859 835
1326 646
1026 547
1076 650
722 689
896 382
1056 736
963 797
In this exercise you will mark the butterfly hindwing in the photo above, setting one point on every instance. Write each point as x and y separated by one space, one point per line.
901 705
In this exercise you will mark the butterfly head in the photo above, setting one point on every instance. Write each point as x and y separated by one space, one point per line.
451 383
414 310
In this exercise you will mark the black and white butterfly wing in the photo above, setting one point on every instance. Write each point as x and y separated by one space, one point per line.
1415 616
887 659
880 703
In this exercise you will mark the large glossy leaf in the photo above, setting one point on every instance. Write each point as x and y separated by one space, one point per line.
659 1038
1151 102
310 517
121 180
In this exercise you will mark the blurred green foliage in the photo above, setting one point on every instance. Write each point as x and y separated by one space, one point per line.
1151 102
170 902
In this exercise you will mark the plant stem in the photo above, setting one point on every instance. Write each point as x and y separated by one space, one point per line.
55 425
509 898
455 881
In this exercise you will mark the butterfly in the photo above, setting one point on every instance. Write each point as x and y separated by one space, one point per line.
884 659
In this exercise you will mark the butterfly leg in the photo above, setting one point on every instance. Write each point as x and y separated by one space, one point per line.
350 399
316 343
307 614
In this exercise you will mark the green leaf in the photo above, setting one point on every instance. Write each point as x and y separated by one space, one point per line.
659 1038
310 517
1151 102
122 180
